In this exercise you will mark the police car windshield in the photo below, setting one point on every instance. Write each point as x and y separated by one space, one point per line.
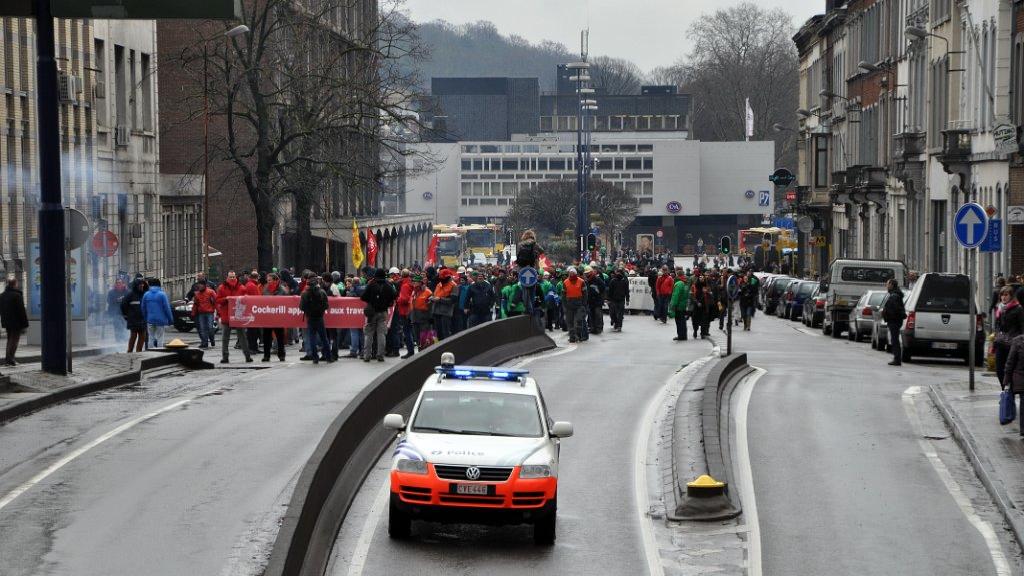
483 413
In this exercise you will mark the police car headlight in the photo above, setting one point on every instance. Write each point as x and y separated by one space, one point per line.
411 466
535 471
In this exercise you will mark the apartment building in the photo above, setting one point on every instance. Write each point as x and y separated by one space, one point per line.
109 144
916 114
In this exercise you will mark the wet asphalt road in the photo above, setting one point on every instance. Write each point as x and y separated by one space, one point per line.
603 388
841 481
197 489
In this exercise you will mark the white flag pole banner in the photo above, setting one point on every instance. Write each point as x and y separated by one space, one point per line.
750 120
640 294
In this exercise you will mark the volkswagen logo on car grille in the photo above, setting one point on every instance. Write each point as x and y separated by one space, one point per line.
473 473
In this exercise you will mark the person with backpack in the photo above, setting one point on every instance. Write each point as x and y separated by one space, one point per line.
378 296
313 304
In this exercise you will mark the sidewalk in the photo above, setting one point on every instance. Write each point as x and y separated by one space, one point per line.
996 452
27 388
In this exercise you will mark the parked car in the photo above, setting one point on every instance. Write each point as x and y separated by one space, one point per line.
862 318
847 281
814 308
775 292
183 319
766 283
792 303
938 319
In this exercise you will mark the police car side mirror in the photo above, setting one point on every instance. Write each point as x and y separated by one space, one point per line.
394 422
561 430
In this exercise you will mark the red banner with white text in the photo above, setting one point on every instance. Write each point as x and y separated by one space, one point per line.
284 312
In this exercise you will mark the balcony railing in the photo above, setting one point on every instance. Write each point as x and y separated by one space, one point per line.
956 146
907 145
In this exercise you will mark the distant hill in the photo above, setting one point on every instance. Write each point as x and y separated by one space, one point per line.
478 49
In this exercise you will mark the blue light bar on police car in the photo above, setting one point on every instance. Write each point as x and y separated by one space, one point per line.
481 373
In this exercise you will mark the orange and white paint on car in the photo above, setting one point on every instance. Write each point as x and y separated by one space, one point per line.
514 493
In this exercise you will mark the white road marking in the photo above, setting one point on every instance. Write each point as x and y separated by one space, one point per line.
362 550
988 533
654 567
71 456
545 355
745 472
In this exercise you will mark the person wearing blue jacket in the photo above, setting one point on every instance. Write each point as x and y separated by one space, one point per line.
156 310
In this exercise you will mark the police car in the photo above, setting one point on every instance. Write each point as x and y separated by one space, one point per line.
479 447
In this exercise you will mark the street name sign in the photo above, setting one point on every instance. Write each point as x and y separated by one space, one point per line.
970 225
994 237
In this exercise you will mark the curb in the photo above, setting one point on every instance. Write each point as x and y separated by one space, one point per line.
982 467
23 407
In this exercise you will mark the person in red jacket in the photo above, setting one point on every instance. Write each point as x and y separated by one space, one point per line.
403 310
204 305
254 288
662 294
231 287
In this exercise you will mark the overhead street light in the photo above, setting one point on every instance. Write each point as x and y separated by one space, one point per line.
916 32
869 67
804 113
237 31
826 94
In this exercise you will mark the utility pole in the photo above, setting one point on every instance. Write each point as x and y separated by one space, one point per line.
53 291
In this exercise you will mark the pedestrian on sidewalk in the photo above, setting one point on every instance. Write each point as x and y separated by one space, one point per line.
204 305
114 297
1009 323
679 304
13 317
748 299
131 311
274 288
313 304
156 309
894 313
230 288
1014 373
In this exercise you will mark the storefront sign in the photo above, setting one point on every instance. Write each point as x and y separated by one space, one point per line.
284 312
674 207
1004 135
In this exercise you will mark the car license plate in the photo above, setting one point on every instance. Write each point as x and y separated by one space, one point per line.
944 345
474 489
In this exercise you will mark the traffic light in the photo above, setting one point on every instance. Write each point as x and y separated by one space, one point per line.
591 241
726 247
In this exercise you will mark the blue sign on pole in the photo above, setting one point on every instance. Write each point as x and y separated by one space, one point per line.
527 277
765 199
733 287
970 225
994 238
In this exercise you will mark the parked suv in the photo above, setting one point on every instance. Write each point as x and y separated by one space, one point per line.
938 319
847 281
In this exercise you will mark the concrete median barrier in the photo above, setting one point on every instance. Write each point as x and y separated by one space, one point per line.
708 497
354 442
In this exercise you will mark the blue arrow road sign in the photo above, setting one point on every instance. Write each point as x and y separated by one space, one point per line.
733 286
994 238
527 277
970 225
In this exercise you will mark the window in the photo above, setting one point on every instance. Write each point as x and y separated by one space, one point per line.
942 293
867 274
646 201
627 148
470 148
147 93
609 148
648 188
645 147
120 88
509 164
604 163
557 164
133 96
648 163
467 164
489 149
634 164
820 161
618 163
940 11
467 188
1017 90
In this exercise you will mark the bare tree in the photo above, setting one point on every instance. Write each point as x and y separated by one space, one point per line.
550 208
303 99
743 52
615 76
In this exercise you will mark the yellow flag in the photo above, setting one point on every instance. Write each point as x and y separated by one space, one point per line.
357 247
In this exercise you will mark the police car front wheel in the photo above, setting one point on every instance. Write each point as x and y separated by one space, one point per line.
399 523
544 528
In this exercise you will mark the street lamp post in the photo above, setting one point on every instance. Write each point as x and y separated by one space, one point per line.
581 76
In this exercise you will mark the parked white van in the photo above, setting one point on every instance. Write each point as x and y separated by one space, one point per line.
847 281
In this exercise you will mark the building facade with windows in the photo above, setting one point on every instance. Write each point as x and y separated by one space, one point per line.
919 112
109 143
685 188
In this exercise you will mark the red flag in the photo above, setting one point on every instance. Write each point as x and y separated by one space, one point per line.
371 248
543 262
432 252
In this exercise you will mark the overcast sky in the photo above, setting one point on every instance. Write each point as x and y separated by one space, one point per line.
649 32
